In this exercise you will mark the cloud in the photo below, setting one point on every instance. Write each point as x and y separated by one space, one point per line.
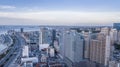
62 17
7 7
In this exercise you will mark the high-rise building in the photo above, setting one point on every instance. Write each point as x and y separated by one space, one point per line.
53 36
100 49
73 44
118 36
87 39
116 25
44 37
61 44
21 30
113 36
56 46
25 52
105 30
40 37
52 52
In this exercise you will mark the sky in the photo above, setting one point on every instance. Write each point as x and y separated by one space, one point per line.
59 12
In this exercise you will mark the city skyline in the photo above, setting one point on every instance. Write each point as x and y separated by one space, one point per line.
59 46
60 12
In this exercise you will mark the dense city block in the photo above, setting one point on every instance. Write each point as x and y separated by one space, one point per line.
60 46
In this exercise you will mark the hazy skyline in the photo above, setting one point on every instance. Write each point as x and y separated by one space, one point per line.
59 12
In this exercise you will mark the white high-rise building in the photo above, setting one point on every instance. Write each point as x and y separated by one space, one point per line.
73 44
87 39
61 44
25 52
52 52
107 50
56 46
40 37
113 36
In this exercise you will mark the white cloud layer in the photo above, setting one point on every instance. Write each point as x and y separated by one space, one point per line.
7 7
61 17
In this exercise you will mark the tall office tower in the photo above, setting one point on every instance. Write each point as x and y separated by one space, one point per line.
61 43
40 37
21 30
107 50
53 36
73 43
100 49
113 36
44 36
56 46
116 25
118 36
87 45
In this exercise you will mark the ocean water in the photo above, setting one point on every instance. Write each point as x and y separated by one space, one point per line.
5 28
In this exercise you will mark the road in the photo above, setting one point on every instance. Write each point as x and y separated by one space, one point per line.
2 61
19 41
